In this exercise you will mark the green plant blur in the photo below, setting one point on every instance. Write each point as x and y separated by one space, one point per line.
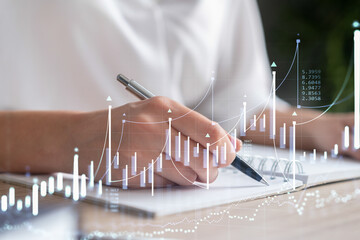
326 33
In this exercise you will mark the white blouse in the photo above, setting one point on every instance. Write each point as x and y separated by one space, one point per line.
66 54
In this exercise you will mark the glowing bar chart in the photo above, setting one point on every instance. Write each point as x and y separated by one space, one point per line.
125 178
314 156
223 154
283 136
35 199
207 165
108 158
243 124
67 191
51 189
116 161
152 178
346 136
335 150
216 157
273 109
99 192
142 178
233 141
83 186
19 205
252 125
91 174
27 201
263 123
75 187
59 182
196 150
4 203
187 152
178 147
43 188
11 196
133 164
356 89
204 158
168 155
325 155
293 152
159 163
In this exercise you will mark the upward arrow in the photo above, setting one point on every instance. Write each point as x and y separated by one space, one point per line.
169 111
108 99
207 135
273 64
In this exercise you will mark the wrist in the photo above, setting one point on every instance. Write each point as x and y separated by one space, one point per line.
72 137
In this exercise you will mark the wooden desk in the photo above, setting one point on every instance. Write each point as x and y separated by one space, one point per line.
330 212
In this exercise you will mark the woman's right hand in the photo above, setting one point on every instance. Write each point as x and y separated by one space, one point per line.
140 127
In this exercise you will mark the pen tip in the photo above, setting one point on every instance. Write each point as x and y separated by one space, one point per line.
264 182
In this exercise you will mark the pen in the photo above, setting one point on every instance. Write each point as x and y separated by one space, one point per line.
143 93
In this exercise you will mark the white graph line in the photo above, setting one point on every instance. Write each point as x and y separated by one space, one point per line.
174 119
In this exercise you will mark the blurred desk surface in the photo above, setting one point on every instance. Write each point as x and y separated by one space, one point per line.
329 212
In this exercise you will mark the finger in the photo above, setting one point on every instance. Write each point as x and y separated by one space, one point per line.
159 181
133 181
238 142
176 172
151 149
194 155
189 122
215 146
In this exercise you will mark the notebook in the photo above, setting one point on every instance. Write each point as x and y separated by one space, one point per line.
312 169
230 186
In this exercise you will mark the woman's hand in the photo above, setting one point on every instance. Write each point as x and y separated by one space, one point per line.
140 127
327 130
313 130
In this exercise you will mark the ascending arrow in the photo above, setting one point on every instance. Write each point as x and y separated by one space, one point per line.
169 111
207 135
294 114
109 99
273 64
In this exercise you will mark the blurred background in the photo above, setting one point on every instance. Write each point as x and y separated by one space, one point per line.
325 29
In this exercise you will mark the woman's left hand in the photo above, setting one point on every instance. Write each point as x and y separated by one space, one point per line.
326 131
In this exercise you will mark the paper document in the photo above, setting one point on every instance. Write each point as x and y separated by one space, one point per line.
316 169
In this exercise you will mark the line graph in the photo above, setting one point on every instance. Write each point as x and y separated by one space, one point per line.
186 151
